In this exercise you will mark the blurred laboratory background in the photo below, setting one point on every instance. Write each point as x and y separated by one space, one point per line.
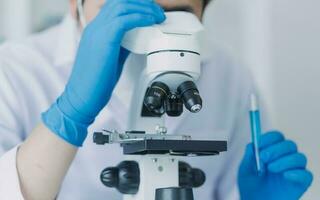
278 40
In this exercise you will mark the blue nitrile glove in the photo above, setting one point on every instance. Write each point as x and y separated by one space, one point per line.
97 67
284 172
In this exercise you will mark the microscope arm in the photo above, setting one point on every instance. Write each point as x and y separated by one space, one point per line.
181 30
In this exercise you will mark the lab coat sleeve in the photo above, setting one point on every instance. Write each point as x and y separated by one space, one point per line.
11 111
10 127
9 180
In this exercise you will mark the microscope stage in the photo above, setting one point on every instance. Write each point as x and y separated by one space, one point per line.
175 147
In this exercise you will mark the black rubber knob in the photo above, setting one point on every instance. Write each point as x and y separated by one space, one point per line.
190 177
129 177
125 177
109 177
198 177
100 139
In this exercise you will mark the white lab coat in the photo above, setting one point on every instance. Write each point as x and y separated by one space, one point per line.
33 74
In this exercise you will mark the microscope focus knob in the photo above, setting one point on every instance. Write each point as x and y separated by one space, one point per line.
190 177
190 96
125 177
109 177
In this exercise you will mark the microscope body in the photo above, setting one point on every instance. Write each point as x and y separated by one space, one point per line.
167 84
172 52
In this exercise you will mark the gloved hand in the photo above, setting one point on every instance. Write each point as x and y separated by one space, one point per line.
284 172
97 67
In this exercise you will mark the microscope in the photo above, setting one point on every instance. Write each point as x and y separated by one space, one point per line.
152 169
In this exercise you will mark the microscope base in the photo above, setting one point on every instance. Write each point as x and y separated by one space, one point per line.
174 194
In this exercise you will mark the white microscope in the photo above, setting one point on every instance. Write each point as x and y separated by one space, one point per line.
152 170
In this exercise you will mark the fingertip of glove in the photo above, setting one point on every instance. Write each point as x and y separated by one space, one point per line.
275 133
161 13
299 176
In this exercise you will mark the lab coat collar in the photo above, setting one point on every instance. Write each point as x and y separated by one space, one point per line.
67 43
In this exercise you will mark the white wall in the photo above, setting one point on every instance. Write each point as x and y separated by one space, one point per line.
15 18
296 67
18 18
1 21
280 41
47 12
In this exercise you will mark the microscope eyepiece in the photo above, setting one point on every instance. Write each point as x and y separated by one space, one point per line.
155 97
190 96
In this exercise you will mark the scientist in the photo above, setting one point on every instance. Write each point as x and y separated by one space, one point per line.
56 87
